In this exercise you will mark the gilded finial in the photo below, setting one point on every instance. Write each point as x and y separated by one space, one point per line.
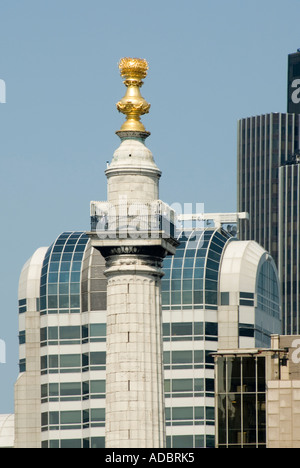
133 105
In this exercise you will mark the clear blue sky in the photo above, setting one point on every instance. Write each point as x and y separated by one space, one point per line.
211 63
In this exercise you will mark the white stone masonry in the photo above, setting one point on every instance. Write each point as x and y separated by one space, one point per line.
134 379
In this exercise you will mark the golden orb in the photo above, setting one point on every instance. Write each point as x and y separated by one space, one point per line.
134 68
133 105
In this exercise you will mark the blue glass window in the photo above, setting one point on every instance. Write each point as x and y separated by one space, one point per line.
52 278
176 297
52 289
167 262
52 302
78 256
64 288
179 253
190 253
63 302
176 285
43 303
211 328
214 256
60 242
58 248
75 277
198 297
167 273
212 265
211 285
198 283
69 248
201 253
75 288
176 273
54 267
76 266
75 301
187 297
211 297
187 284
82 238
165 297
199 272
177 263
80 248
65 266
216 248
200 262
189 263
64 277
55 257
211 274
188 273
72 241
67 257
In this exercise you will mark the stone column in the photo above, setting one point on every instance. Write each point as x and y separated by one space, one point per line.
134 367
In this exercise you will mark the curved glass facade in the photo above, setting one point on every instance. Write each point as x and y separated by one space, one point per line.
268 295
268 308
61 274
72 343
191 276
190 334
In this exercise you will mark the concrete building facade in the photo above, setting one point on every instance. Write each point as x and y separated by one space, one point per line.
7 431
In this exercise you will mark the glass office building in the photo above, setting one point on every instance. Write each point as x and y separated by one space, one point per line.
268 189
62 334
289 242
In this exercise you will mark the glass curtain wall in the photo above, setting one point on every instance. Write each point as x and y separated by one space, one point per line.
241 405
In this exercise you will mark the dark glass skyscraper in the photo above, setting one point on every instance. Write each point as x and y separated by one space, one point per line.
294 83
269 190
